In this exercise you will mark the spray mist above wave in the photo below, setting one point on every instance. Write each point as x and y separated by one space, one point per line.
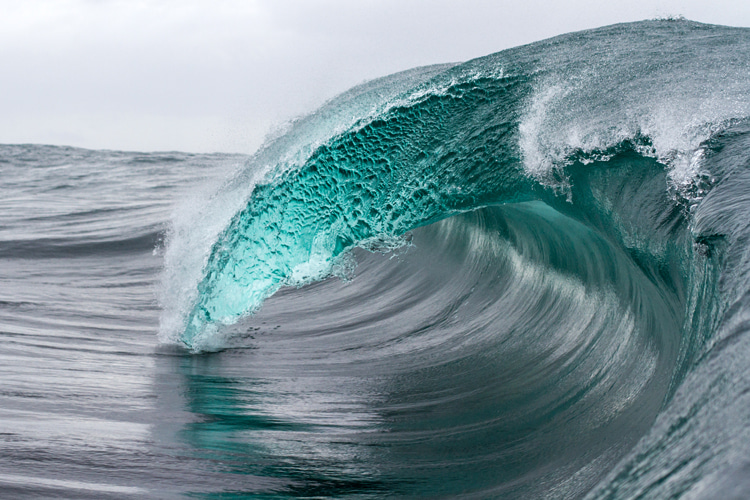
417 147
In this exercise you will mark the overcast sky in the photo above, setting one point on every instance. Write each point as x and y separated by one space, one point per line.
218 75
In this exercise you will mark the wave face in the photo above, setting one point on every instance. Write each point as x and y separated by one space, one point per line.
521 276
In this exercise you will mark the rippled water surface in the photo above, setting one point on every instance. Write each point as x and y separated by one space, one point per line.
525 276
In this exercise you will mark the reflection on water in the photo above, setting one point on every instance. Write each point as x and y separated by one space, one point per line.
249 432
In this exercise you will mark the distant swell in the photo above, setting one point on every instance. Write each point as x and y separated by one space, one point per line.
41 248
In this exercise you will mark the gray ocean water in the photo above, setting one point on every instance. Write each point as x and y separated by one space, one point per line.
524 276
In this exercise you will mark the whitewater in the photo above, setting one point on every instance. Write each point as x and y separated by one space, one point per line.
522 276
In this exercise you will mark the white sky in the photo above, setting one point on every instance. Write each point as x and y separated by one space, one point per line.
217 75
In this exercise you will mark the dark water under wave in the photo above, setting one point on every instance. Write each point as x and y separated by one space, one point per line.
525 276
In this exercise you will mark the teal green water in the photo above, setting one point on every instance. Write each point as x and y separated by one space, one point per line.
379 181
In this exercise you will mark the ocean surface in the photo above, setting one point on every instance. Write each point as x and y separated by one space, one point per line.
523 276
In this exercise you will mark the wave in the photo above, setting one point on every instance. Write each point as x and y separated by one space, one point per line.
573 210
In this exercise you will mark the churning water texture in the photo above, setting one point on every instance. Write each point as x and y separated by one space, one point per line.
523 276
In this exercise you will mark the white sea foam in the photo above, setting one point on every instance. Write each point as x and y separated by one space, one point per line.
675 108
